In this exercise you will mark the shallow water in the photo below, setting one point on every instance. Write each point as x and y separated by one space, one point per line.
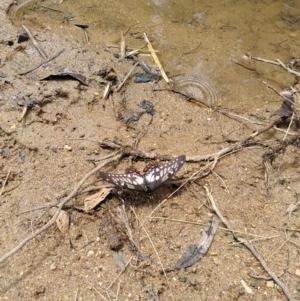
194 38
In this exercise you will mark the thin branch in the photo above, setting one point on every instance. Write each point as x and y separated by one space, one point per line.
42 63
34 42
249 246
277 63
59 208
126 77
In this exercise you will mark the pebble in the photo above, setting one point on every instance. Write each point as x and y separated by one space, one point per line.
270 284
53 266
90 253
68 148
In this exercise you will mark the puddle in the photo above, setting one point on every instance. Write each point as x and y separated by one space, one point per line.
204 39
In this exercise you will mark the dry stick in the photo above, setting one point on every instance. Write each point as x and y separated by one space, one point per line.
143 130
35 43
282 96
154 248
249 246
210 157
126 77
4 183
277 63
61 203
43 62
238 117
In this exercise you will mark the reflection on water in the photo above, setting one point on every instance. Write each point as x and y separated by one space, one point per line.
194 38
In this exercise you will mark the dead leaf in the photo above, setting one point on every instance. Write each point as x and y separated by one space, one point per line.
92 201
286 109
67 73
195 252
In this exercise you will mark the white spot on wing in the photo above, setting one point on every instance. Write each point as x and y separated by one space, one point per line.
165 178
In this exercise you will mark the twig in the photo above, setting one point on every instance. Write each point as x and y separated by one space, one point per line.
34 42
144 129
61 203
192 51
281 94
277 63
126 77
249 246
43 62
4 183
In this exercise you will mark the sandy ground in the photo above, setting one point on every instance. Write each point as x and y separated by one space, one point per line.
60 140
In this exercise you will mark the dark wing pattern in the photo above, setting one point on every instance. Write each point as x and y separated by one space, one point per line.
131 181
155 177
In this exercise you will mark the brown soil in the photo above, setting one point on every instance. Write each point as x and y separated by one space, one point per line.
44 156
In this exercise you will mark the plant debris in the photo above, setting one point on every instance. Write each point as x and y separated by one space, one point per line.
195 252
286 109
67 73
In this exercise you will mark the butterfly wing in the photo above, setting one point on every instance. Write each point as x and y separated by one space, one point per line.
155 177
131 181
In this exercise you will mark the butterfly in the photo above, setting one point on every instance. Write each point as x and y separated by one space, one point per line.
153 176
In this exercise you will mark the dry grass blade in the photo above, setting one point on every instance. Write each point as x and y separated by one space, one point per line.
118 276
156 60
4 183
123 46
155 250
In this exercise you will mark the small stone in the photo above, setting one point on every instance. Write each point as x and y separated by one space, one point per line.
297 272
270 284
256 283
53 266
68 148
90 253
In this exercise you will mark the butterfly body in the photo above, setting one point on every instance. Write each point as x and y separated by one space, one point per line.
152 177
